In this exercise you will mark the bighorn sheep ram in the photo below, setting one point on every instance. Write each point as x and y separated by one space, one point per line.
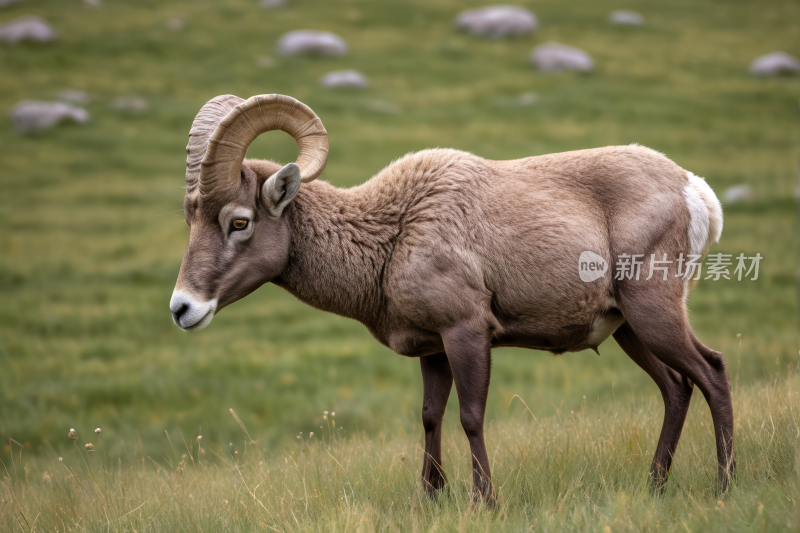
444 255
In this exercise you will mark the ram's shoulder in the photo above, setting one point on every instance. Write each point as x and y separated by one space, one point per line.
431 160
423 171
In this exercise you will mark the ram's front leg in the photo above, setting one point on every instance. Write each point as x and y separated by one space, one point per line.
437 380
468 351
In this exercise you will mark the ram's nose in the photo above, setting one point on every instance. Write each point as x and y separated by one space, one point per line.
189 313
178 313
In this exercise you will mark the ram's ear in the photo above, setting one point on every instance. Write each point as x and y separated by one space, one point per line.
280 189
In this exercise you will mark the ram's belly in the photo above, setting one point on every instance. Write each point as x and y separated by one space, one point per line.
414 342
573 336
523 332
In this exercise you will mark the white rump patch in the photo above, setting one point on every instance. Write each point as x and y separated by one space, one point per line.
698 219
705 212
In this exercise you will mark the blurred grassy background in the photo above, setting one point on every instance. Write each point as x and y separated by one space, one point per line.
91 229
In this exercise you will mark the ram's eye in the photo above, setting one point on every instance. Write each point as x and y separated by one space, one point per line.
239 224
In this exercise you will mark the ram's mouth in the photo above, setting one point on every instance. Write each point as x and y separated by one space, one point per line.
188 313
200 324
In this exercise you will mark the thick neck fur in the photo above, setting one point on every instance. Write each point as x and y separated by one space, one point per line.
342 239
340 246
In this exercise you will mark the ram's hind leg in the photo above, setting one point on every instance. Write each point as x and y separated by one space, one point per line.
721 412
437 380
676 390
659 319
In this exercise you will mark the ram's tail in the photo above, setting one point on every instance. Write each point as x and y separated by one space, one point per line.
705 212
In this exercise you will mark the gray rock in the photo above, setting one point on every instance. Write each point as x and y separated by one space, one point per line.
506 100
624 17
31 115
497 21
6 3
134 105
73 96
556 57
737 193
92 3
344 78
176 23
272 4
774 64
29 27
323 43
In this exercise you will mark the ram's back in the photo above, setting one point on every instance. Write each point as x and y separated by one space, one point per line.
509 233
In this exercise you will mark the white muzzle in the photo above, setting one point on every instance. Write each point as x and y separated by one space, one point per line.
190 314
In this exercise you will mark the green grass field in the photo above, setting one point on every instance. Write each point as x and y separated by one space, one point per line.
581 471
91 234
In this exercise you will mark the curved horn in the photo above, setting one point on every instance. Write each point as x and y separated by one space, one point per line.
203 126
228 144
